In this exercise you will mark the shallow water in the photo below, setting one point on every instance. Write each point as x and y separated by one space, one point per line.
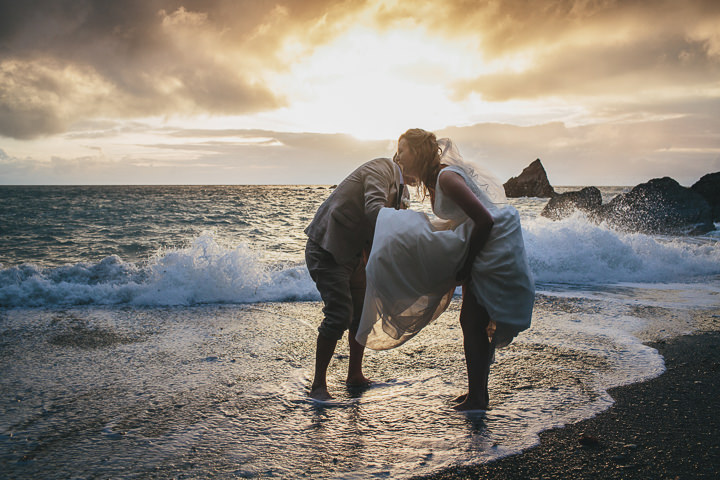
220 391
169 332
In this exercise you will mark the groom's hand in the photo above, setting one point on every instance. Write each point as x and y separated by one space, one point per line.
463 275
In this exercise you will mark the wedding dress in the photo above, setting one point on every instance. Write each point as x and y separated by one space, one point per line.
412 266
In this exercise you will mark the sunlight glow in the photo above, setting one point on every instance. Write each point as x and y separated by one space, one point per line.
374 85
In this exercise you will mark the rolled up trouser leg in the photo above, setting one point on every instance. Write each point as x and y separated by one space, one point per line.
333 281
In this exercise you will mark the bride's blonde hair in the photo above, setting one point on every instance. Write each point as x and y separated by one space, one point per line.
425 147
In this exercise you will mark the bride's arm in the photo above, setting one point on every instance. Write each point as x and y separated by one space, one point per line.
454 186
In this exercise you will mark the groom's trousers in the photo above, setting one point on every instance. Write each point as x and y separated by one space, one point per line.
341 287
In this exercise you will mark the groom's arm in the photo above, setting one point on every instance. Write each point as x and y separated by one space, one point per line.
376 185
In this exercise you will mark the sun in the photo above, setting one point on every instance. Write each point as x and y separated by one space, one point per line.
375 85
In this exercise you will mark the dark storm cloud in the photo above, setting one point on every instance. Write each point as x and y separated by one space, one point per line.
64 60
592 47
505 26
575 47
67 61
603 70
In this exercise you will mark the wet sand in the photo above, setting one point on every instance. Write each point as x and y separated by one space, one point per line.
183 393
665 428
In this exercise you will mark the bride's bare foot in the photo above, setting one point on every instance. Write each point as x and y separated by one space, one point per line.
358 380
320 393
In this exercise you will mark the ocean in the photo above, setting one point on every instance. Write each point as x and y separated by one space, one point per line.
169 332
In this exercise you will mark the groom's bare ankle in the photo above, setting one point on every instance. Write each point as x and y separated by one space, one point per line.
320 392
357 380
470 404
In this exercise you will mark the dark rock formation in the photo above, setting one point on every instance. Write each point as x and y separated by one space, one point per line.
660 206
532 182
563 205
709 187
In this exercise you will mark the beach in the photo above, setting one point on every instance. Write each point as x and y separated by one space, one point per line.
180 344
665 428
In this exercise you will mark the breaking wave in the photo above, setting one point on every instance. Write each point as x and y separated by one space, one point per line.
205 272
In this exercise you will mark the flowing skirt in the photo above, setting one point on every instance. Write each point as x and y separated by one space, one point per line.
411 276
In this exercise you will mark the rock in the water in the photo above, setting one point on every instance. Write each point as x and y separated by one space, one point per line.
564 204
660 206
532 182
709 187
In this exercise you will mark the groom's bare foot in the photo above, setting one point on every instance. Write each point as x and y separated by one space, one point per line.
320 393
471 404
463 397
459 398
359 380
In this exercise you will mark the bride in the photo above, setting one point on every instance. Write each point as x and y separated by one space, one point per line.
415 263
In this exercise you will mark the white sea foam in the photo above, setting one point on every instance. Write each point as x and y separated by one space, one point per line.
204 272
571 251
200 378
575 250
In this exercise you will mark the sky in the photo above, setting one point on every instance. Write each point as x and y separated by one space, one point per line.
604 92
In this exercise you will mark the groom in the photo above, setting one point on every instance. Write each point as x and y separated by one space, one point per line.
341 231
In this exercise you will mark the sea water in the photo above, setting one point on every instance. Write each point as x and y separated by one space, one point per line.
169 332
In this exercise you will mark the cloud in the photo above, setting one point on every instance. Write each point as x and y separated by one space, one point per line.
263 156
195 156
637 66
509 26
58 170
572 48
584 48
12 167
44 96
602 70
65 61
684 147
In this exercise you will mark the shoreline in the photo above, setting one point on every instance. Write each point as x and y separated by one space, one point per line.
664 428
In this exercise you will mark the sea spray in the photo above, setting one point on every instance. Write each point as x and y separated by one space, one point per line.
204 272
209 270
577 250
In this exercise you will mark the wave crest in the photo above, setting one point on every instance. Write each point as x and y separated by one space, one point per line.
576 250
204 272
568 251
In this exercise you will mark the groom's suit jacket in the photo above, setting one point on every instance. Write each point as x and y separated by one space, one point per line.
345 223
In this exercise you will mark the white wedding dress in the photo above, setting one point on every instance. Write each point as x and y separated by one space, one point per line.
412 266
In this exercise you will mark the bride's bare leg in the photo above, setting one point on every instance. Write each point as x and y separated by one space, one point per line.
474 321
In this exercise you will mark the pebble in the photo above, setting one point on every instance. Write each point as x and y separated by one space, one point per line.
588 440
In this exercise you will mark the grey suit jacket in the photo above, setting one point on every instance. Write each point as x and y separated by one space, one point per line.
345 222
